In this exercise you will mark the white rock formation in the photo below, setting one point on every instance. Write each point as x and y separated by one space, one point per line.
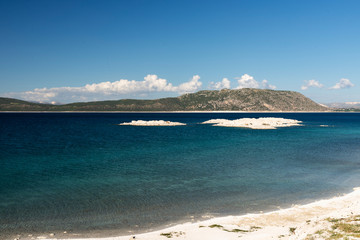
255 123
152 123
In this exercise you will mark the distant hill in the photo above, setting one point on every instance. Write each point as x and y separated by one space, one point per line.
11 104
345 106
246 99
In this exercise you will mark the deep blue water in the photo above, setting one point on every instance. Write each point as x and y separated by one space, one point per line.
81 171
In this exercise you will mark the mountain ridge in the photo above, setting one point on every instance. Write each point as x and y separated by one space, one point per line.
246 99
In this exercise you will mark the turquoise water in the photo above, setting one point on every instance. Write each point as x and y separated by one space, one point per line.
81 172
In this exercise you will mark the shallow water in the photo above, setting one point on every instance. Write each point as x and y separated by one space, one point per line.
83 172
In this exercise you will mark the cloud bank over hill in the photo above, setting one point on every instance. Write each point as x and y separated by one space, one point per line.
245 81
129 88
108 90
152 85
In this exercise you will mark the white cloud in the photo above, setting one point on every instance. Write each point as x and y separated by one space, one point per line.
188 87
247 81
266 85
311 83
151 83
104 90
343 83
225 83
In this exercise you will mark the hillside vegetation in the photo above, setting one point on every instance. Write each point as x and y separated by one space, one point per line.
246 99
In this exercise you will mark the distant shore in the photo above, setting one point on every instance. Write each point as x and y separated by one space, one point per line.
173 112
317 220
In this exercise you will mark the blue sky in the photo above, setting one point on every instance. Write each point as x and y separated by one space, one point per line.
66 51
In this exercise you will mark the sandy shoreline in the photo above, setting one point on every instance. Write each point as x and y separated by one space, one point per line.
317 220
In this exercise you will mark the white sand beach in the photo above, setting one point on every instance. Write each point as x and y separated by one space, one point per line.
335 218
152 123
255 123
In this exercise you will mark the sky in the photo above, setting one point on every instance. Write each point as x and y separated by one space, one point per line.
89 50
